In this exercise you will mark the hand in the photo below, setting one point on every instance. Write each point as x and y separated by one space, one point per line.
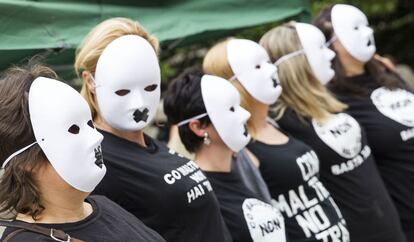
386 62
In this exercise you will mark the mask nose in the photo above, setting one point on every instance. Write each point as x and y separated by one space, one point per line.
330 54
245 114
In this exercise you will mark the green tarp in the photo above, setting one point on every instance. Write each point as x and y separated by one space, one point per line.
57 27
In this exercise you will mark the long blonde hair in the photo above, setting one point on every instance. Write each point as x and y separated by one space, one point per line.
216 63
302 92
95 42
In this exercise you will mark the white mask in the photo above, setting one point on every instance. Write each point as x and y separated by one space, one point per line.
63 128
319 56
127 80
351 28
251 66
222 102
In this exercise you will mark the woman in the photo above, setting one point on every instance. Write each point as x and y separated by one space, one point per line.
212 125
289 167
51 155
118 64
378 99
309 112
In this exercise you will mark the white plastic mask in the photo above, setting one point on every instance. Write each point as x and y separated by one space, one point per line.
127 80
251 66
222 102
319 56
351 28
63 128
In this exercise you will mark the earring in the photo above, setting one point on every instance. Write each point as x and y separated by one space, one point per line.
207 140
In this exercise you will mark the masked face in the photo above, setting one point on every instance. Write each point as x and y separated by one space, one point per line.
351 28
317 53
222 102
64 130
251 66
127 82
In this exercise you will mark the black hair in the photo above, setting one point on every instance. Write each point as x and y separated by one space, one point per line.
183 100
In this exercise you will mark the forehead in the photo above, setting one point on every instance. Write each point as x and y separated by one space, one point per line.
345 15
309 35
246 51
218 92
129 60
52 101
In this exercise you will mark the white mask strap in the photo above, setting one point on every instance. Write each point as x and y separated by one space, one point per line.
192 118
17 153
330 42
288 56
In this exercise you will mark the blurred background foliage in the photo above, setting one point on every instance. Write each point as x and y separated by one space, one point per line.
392 20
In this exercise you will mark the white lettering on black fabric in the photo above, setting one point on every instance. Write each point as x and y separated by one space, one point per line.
192 171
306 210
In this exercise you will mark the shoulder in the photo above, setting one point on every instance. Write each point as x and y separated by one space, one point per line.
18 235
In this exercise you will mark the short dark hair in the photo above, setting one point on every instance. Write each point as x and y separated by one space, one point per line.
184 100
379 72
18 188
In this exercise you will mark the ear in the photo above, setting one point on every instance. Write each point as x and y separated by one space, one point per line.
87 78
195 127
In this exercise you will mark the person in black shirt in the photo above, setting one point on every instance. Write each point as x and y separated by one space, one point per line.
212 125
289 167
310 113
384 105
51 156
122 86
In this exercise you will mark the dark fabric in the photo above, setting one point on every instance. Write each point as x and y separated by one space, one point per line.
251 176
291 172
169 193
392 144
354 183
248 218
108 222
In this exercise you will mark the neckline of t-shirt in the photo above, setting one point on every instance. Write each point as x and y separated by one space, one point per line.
96 212
151 148
287 143
231 175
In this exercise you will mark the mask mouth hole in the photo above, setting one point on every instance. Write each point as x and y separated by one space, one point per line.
369 43
99 157
274 80
246 132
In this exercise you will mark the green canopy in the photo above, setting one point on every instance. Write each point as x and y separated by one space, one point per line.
56 27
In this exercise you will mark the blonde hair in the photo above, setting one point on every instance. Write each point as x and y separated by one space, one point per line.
216 63
302 92
95 42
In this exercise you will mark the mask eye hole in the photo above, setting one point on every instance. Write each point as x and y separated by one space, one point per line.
232 109
90 123
122 92
74 129
151 88
257 66
356 28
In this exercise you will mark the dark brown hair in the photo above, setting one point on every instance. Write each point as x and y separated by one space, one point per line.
18 189
376 69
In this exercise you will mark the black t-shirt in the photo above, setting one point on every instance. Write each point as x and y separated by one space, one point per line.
251 176
107 223
168 192
248 218
291 172
388 118
348 171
